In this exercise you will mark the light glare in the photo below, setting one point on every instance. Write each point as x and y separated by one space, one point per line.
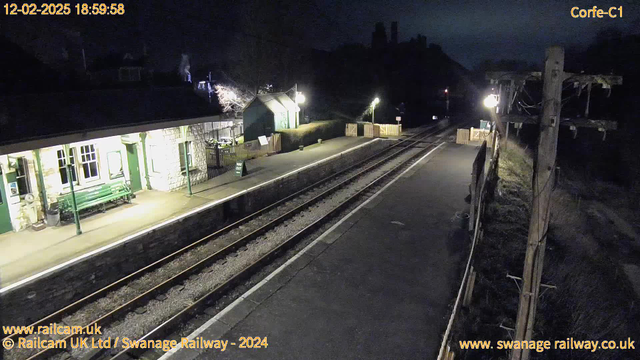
491 101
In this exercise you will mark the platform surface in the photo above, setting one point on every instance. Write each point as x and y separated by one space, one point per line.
378 286
28 252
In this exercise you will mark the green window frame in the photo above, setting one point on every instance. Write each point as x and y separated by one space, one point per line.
189 155
62 166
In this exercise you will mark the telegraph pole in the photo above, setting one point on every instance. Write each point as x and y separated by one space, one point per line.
543 180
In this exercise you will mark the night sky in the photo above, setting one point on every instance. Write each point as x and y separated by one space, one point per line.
468 31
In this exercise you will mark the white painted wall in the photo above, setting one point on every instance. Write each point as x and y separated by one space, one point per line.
162 153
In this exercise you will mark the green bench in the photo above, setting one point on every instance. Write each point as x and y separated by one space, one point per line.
95 195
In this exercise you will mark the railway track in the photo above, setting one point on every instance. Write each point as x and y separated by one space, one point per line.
184 278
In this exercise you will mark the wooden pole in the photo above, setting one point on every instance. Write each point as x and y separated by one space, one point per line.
586 109
544 169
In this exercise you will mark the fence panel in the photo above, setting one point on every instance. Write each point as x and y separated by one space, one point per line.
462 136
351 130
371 130
390 130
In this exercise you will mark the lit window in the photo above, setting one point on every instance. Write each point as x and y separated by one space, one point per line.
22 176
181 154
62 166
89 161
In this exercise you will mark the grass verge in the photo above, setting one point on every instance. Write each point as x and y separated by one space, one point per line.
585 259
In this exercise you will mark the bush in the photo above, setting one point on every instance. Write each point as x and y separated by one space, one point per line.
310 133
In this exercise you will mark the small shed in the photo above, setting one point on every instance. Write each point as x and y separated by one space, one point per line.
269 113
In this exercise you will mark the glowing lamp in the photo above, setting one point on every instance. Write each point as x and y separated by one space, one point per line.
491 101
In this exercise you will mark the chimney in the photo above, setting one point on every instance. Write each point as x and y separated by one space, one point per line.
394 32
379 37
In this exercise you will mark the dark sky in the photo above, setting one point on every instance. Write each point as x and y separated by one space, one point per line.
469 31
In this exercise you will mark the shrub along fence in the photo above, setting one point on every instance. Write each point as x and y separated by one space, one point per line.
483 180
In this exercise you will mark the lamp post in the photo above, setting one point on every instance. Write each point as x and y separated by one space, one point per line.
300 99
491 102
446 92
375 102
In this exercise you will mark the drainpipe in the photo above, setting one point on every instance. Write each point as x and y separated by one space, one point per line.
143 138
76 217
186 166
43 191
184 129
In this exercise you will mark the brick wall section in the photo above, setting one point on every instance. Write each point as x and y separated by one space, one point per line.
43 296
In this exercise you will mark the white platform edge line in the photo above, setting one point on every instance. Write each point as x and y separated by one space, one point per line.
172 220
257 286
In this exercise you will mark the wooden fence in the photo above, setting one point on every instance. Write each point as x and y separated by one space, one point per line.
371 130
481 182
390 129
351 130
462 137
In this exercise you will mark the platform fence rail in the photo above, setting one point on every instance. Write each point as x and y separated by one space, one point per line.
483 176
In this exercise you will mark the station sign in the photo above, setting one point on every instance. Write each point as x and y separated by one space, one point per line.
241 168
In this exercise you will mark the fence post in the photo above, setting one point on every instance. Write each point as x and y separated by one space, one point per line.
469 289
217 150
472 188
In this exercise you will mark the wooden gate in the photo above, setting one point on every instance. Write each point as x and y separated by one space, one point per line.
351 130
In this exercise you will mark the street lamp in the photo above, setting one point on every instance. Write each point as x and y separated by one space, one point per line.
491 101
446 92
299 99
375 102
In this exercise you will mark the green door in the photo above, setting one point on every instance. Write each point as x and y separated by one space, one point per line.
134 167
5 219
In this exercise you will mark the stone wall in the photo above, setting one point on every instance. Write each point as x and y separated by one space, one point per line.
164 160
42 296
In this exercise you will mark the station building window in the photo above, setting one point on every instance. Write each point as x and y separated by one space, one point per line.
22 176
89 160
62 166
181 154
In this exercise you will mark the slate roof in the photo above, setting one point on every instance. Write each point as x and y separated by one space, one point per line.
276 102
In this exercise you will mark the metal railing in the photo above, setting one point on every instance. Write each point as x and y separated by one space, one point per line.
479 181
